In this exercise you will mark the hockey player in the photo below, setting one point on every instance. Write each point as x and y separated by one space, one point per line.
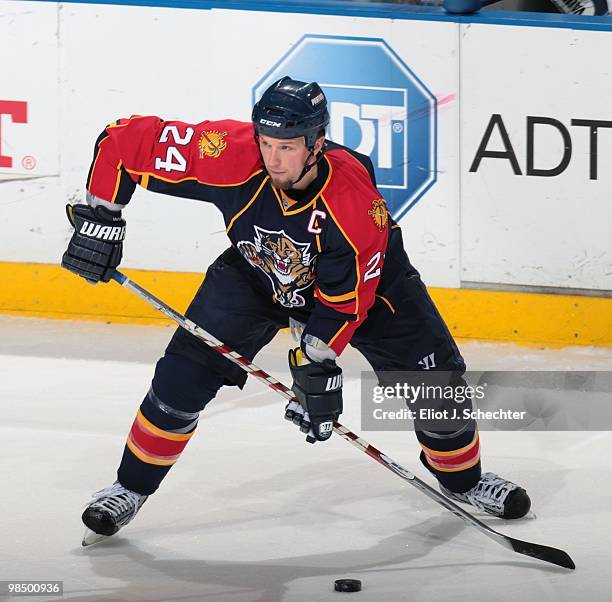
311 242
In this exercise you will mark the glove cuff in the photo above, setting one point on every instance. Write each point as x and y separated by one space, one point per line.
97 223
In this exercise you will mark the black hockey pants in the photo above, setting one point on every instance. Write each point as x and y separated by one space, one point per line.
403 331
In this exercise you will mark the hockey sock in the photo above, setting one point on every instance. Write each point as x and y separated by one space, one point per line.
165 422
454 458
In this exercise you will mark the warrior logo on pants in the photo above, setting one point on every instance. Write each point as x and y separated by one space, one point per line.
287 263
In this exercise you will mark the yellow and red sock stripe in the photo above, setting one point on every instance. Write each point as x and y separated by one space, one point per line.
154 445
455 460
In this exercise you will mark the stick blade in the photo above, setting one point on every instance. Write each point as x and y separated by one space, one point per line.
545 553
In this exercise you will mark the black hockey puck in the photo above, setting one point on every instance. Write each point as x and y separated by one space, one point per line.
347 585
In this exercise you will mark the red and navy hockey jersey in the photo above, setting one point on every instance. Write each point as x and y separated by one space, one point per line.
322 252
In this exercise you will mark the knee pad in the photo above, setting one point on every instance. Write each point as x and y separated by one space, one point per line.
180 390
440 410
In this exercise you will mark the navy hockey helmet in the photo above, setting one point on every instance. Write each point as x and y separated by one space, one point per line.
290 109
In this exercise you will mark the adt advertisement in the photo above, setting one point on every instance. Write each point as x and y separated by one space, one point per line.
377 106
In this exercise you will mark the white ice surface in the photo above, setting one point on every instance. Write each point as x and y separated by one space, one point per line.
253 513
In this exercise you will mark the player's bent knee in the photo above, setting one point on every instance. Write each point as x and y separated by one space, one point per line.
181 387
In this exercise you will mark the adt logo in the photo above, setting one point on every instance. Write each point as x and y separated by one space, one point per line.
377 105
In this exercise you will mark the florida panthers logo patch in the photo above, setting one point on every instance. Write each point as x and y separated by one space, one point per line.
287 263
379 214
212 143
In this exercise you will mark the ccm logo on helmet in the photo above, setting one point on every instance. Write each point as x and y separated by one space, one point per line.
274 124
103 232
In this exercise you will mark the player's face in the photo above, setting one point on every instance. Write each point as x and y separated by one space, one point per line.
284 160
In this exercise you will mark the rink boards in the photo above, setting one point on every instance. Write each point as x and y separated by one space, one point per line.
491 137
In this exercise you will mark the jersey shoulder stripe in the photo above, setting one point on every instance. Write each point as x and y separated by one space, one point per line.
354 201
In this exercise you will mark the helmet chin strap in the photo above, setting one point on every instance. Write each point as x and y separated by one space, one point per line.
309 166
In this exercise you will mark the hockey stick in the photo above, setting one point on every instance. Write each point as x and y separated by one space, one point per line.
545 553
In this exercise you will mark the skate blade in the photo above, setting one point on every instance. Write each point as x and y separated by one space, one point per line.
91 538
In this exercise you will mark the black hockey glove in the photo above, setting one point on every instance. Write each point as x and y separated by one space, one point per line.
318 392
96 246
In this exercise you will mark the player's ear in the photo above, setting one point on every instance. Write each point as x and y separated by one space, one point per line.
319 143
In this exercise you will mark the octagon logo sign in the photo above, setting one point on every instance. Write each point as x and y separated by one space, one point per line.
377 106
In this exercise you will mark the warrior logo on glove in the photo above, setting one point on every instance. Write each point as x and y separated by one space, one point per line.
103 232
334 382
325 428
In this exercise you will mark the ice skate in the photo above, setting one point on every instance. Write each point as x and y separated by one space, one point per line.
110 509
494 495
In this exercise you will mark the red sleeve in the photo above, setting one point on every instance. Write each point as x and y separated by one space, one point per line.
171 157
349 266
